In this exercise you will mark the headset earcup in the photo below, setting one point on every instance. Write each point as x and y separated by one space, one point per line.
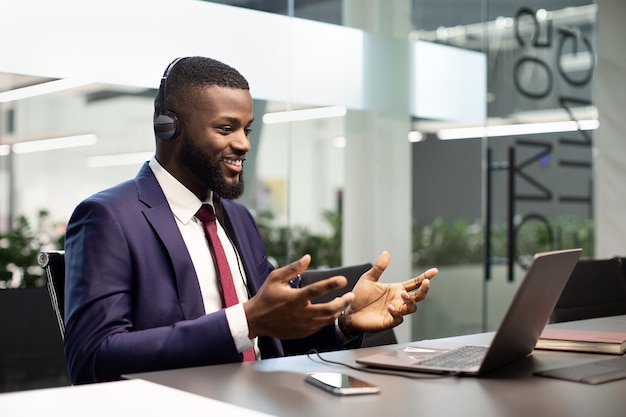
166 126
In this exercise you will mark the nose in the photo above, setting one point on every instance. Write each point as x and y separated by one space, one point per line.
241 142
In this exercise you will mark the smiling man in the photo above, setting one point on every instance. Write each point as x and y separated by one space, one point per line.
167 271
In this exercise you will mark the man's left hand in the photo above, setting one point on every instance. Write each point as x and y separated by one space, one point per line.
378 306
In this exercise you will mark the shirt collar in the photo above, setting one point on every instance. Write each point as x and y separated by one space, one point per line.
183 203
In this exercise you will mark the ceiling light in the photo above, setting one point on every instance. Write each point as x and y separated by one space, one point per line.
517 129
305 114
415 136
56 143
41 89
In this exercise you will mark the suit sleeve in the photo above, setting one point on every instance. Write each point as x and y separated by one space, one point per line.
124 312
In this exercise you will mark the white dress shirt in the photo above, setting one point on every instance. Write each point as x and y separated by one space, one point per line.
184 205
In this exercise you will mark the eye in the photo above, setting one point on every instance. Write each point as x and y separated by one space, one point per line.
247 131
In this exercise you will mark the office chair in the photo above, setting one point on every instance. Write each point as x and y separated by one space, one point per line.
54 264
596 288
352 273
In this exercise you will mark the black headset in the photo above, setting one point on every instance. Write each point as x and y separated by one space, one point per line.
166 124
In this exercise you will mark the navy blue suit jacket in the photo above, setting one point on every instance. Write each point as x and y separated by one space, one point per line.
133 302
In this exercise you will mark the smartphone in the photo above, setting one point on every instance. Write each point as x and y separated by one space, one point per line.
341 384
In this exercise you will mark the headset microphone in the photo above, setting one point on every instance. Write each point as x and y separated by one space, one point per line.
166 124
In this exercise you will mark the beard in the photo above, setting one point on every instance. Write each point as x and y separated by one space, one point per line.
208 170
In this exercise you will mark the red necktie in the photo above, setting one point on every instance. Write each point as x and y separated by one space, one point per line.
229 294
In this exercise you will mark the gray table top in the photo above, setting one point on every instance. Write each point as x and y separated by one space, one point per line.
277 386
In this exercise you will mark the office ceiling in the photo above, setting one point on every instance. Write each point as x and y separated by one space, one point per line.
426 14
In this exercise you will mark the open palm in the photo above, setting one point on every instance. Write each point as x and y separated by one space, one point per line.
378 306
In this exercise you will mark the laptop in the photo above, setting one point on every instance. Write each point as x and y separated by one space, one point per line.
515 338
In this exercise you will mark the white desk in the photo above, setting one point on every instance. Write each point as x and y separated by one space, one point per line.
113 399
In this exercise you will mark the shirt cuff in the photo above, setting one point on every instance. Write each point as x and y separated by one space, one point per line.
239 327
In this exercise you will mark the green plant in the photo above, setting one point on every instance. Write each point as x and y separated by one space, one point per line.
459 242
284 243
441 243
19 248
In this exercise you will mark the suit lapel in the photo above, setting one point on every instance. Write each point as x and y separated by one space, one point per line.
160 217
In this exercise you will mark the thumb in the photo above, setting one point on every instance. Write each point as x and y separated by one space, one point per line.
379 267
289 271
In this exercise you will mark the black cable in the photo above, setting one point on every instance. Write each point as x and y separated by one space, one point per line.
380 371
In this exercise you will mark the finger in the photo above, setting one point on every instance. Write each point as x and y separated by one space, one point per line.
379 267
410 303
324 286
333 308
395 313
415 283
289 271
421 292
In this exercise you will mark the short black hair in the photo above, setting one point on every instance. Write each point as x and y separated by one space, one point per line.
192 73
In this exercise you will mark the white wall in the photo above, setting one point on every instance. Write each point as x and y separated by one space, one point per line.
610 139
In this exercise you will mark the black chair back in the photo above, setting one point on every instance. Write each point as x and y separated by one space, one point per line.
596 288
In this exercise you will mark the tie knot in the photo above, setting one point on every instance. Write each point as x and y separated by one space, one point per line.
206 213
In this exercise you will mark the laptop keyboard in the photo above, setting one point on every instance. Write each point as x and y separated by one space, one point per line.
464 357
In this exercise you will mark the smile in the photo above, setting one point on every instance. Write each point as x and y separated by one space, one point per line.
235 162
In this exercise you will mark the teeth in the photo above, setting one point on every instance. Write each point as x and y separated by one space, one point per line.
236 162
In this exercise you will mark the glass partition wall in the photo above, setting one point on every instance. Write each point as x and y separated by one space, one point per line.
535 150
540 175
362 140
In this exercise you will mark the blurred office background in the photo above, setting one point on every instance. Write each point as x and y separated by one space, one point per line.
462 134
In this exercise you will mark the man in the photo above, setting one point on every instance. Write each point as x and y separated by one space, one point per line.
143 285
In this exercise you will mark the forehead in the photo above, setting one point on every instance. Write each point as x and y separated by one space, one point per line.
222 99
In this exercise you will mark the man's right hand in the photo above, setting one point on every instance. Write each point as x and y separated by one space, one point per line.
280 311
